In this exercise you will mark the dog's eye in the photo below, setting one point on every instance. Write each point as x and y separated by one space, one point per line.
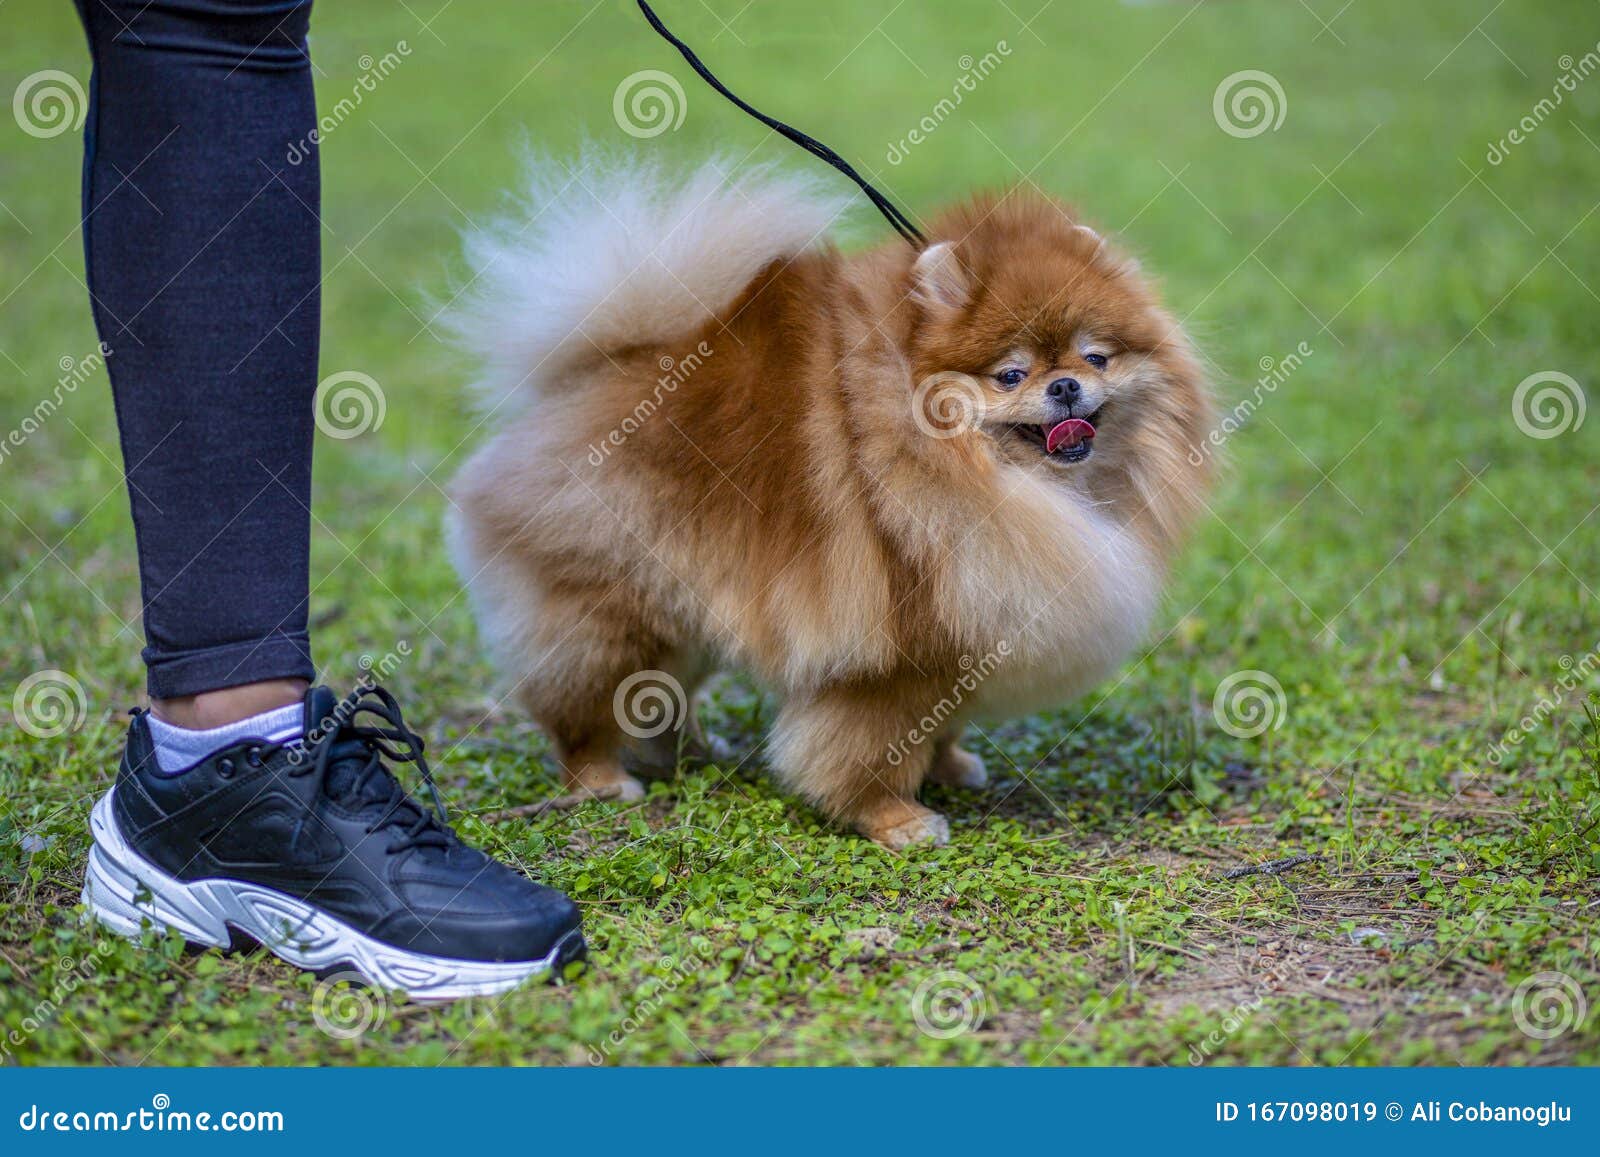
1098 361
1010 378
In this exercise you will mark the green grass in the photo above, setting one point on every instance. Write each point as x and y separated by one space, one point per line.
1410 567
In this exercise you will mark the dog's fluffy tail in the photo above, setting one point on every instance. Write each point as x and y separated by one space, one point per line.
613 252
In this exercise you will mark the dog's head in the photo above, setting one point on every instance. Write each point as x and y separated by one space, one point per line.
1067 365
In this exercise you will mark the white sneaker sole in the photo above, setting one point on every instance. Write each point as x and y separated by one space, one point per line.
124 891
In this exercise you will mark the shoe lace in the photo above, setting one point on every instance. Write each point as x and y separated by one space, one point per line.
358 751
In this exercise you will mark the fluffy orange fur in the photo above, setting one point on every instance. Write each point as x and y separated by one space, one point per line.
824 480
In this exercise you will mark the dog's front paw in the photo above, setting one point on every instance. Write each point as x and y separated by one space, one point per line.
627 790
927 828
660 758
604 781
957 767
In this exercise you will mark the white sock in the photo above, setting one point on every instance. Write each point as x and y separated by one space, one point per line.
178 748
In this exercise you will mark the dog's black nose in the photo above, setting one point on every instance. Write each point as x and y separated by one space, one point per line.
1064 389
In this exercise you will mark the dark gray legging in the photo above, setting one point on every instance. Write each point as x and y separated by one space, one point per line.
202 240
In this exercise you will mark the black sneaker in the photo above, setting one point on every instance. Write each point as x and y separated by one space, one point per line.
313 849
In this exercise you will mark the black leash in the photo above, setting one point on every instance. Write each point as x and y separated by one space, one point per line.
816 148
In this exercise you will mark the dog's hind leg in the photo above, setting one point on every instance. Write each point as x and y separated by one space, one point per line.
861 762
670 735
595 685
955 766
564 648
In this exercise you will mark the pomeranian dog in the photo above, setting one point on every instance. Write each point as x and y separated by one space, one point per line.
904 489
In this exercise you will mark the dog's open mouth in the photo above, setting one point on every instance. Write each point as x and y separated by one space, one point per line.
1068 441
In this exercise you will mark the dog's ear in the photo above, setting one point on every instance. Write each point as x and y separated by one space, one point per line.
938 280
1122 264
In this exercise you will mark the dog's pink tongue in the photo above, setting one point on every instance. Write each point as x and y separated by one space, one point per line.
1068 434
